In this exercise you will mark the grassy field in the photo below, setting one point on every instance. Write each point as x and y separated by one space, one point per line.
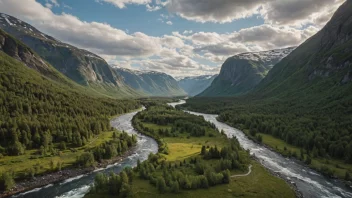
259 183
21 164
337 166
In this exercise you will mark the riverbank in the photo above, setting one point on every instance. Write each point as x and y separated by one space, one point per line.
61 176
289 182
286 150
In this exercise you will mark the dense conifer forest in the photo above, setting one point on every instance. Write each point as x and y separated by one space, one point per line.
37 113
320 132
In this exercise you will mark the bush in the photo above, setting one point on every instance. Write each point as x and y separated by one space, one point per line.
6 181
86 160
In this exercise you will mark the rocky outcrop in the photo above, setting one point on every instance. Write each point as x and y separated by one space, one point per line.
19 51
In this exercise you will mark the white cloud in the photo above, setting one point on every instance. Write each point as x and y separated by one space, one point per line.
271 37
169 22
66 6
188 32
48 5
122 3
214 11
172 41
164 16
55 3
280 12
299 12
151 8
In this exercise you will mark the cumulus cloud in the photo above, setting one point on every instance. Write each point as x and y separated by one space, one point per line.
172 41
214 11
169 22
282 12
98 37
270 37
293 12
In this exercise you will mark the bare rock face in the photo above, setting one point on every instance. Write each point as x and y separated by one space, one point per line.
335 50
79 65
22 53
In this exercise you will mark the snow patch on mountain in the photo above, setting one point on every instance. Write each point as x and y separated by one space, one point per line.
265 56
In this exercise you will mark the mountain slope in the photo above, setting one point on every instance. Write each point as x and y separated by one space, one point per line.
241 73
151 83
21 52
79 65
322 65
38 111
196 85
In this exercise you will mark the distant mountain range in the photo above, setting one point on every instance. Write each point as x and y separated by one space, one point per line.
197 84
241 73
150 82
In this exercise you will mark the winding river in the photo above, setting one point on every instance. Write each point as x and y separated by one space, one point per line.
77 187
308 182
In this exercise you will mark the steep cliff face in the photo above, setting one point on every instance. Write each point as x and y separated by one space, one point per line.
151 83
17 50
79 65
196 85
322 63
241 73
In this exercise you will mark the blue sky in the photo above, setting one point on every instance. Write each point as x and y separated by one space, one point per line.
136 18
178 37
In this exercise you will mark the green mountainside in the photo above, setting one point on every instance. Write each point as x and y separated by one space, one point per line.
81 66
241 73
42 112
322 65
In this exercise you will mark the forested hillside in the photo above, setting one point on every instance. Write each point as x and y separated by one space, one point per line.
37 112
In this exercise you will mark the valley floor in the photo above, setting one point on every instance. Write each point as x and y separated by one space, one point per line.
253 180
